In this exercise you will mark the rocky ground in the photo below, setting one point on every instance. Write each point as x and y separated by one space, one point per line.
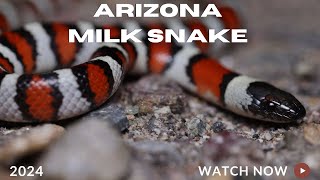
153 129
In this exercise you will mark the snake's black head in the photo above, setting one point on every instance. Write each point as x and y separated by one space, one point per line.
273 104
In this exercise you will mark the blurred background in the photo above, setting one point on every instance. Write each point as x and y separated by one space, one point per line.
289 29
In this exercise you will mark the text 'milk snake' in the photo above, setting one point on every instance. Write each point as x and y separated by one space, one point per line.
45 78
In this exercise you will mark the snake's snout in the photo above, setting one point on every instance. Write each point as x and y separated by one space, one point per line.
289 109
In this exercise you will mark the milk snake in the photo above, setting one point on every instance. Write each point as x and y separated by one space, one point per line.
45 78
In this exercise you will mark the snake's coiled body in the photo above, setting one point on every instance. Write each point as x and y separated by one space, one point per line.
89 73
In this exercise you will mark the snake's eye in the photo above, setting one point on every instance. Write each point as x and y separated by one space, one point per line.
268 105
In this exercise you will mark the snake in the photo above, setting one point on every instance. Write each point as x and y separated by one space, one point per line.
45 78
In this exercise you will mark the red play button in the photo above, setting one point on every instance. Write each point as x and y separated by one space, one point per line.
301 170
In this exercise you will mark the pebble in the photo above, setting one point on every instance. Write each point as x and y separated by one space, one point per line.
305 70
218 127
255 136
163 110
157 131
314 117
27 140
196 127
145 106
131 117
113 114
90 149
267 136
164 136
151 125
312 133
132 110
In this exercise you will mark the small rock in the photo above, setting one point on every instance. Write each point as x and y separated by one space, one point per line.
163 110
314 117
218 127
255 136
196 127
312 133
130 117
267 136
151 124
113 114
164 136
28 140
145 106
157 131
305 70
90 149
132 110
